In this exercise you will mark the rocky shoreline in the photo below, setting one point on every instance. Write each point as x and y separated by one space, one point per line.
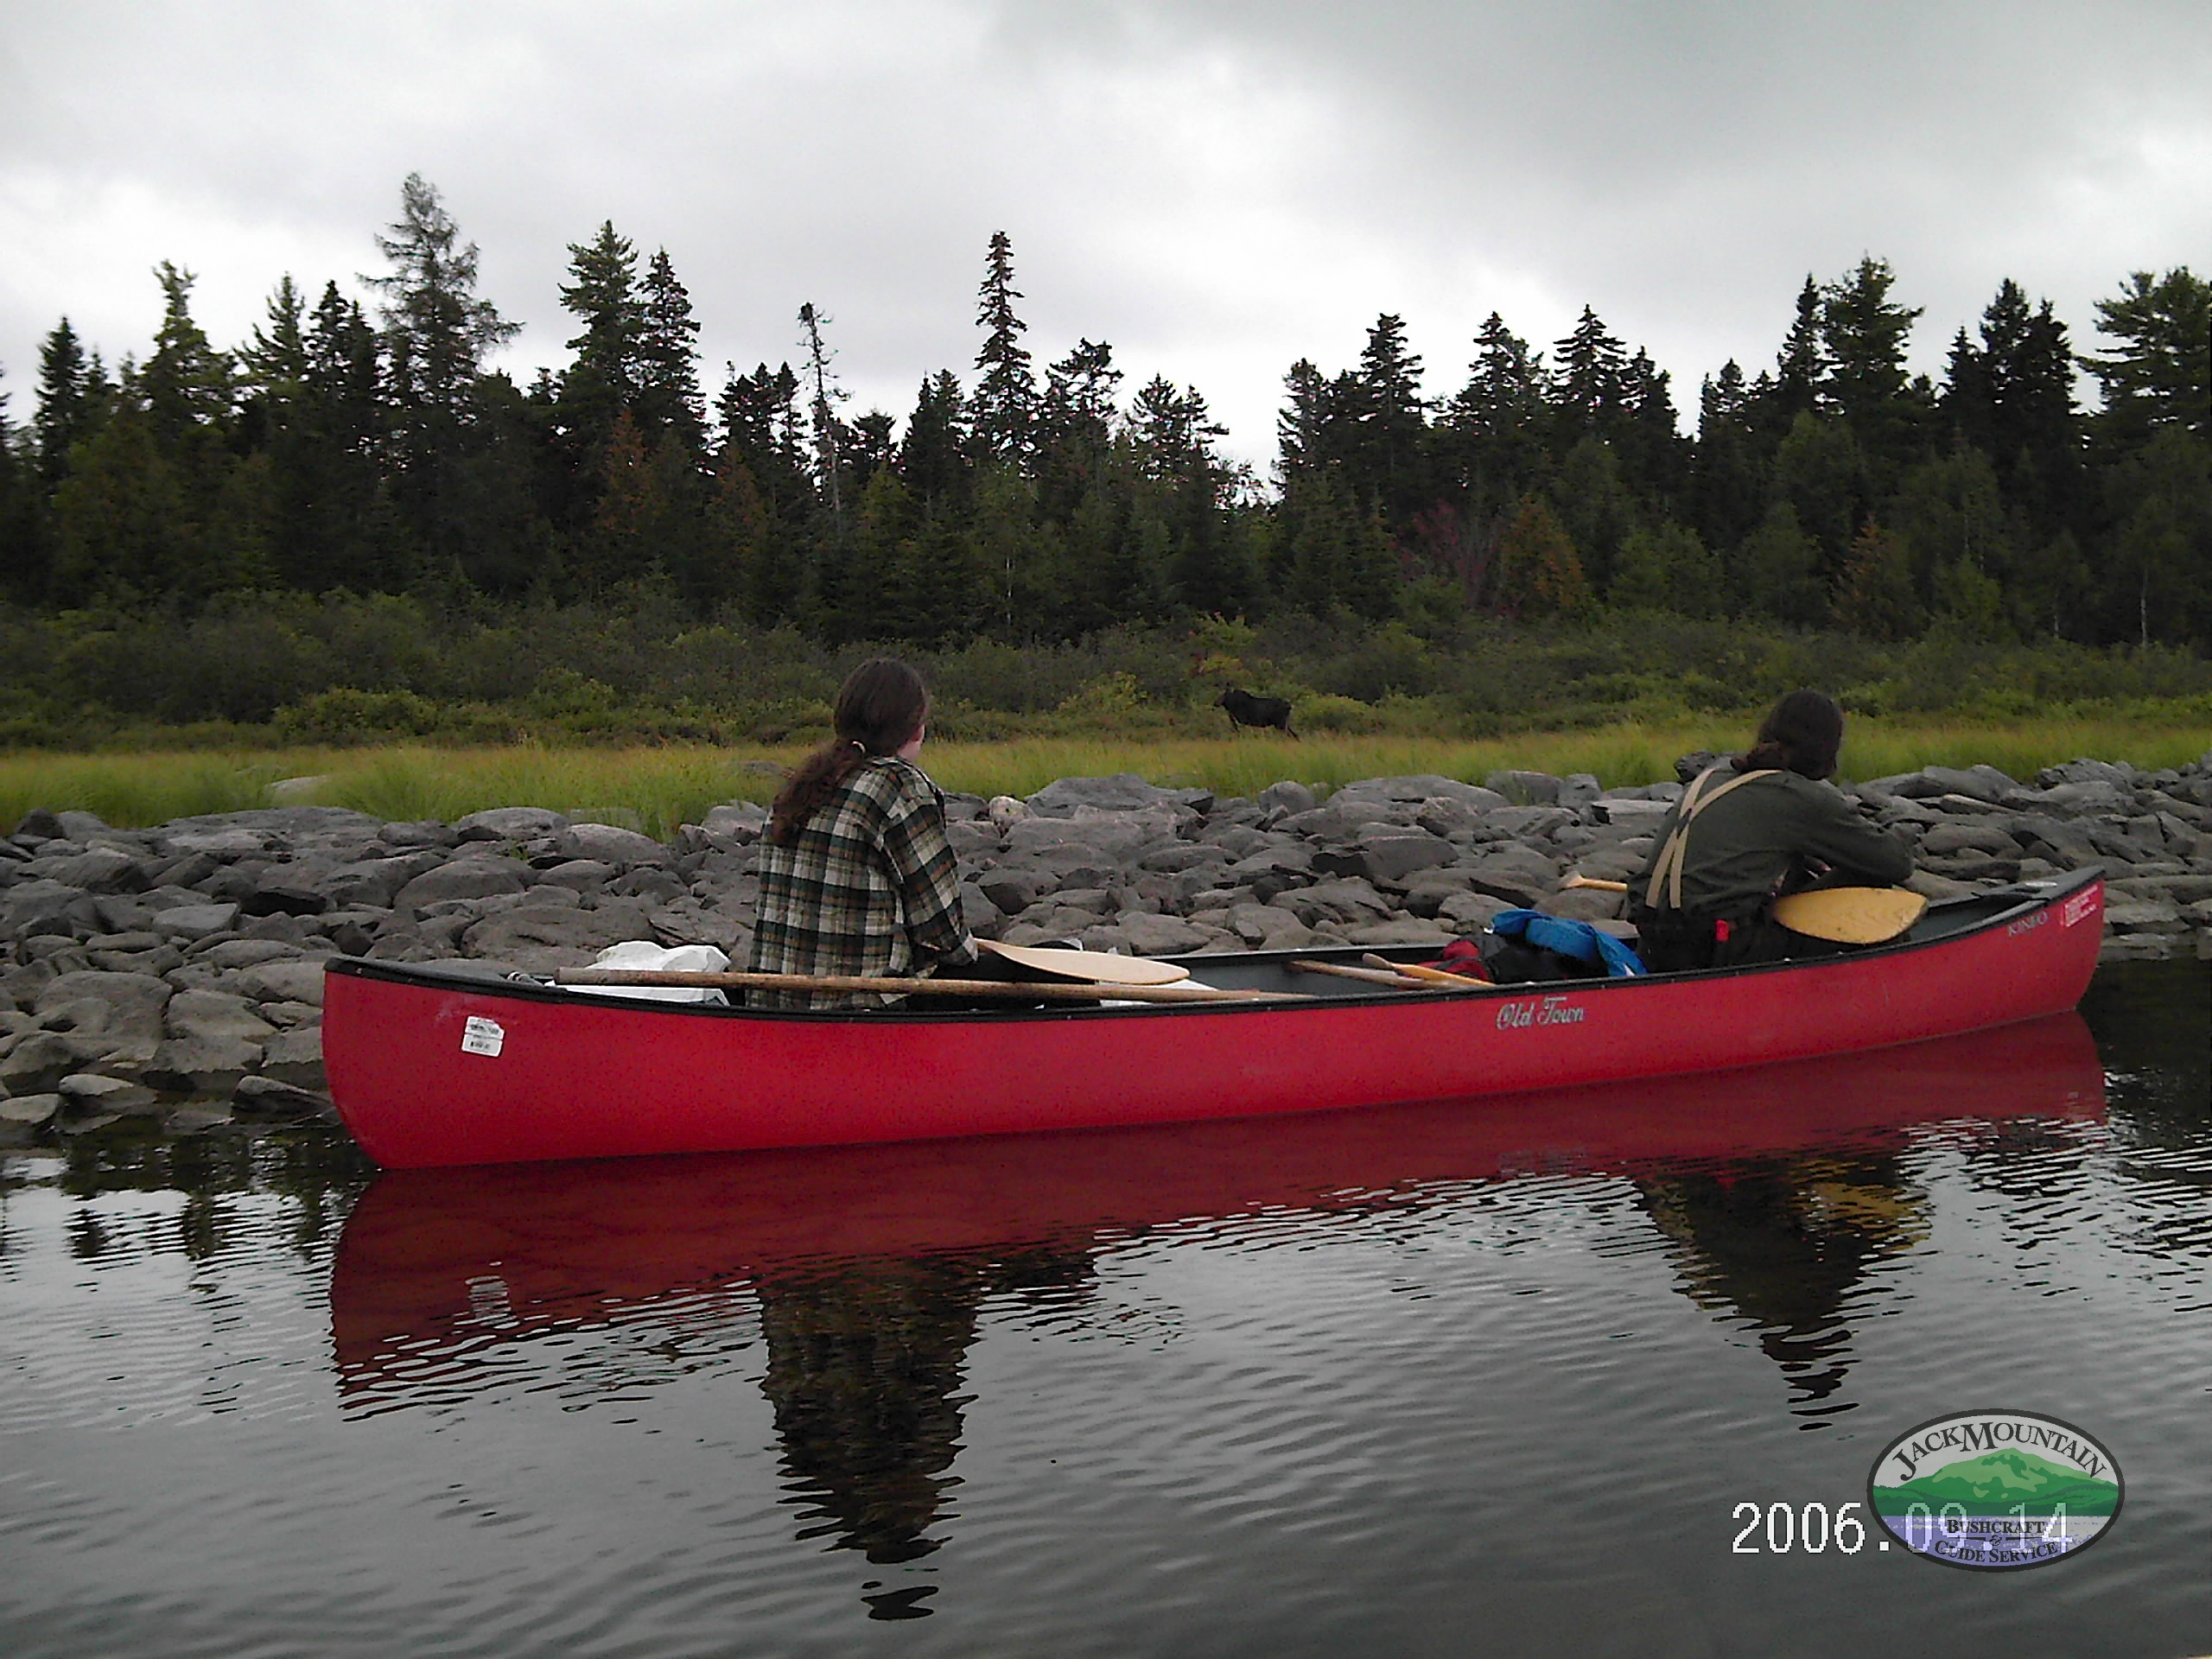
176 973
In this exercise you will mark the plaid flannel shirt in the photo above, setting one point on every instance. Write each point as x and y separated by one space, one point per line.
869 885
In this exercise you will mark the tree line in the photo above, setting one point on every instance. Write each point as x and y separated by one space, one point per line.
368 448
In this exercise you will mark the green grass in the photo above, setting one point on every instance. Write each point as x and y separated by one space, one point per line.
669 786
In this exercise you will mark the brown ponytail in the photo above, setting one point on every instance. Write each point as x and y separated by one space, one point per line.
881 704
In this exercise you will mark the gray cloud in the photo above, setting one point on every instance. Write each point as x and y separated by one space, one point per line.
1217 188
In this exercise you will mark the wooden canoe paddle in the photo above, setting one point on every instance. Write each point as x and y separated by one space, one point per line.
1389 976
1092 966
1851 915
1426 975
1042 990
1840 915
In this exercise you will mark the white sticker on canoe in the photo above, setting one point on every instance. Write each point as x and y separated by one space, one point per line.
482 1036
2078 907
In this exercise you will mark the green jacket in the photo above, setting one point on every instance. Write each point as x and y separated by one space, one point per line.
1763 838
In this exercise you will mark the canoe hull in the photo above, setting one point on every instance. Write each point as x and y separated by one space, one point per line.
429 1070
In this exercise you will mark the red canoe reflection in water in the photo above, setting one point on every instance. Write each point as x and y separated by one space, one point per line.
582 1241
864 1268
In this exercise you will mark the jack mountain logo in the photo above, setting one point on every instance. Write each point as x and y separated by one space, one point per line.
1995 1490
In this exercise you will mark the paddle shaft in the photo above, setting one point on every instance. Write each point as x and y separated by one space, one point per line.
1428 976
1048 991
1593 881
1396 981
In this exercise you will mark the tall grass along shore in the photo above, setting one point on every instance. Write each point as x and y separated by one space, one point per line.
659 787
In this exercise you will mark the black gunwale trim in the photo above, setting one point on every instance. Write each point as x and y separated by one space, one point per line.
2024 897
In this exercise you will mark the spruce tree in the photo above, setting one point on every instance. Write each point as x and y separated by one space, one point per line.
1588 386
605 379
72 393
2158 371
1800 369
1003 411
1497 442
1863 337
439 409
668 402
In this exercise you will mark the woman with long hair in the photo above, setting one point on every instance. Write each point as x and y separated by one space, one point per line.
1749 830
856 875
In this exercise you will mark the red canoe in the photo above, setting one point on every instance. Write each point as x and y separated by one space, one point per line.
432 1066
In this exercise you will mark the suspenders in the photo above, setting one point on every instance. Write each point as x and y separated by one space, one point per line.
1668 869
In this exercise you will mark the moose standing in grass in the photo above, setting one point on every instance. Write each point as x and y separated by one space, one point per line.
1245 709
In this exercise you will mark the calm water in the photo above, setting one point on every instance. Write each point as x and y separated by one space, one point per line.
1447 1380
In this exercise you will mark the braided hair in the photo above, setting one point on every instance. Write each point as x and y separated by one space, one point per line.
882 703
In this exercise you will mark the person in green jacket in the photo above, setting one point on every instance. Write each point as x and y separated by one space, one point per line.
1748 831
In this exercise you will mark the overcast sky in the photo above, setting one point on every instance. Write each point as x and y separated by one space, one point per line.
1217 188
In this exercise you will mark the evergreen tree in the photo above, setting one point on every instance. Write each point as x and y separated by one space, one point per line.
1003 410
608 373
1493 429
1298 435
1074 426
668 402
72 395
2159 373
1800 369
1387 441
2011 397
438 328
1728 481
1655 459
1588 387
187 383
437 332
22 527
933 455
1863 335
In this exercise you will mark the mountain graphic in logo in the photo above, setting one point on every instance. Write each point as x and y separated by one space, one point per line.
1992 1482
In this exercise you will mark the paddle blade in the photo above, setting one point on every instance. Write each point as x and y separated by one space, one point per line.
1092 966
1851 915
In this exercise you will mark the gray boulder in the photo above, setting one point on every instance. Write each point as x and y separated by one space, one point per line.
1417 787
269 1097
1525 788
462 878
191 922
135 1003
1388 859
88 1092
1518 873
296 1057
283 981
376 880
511 824
1287 798
40 1059
214 1013
609 844
1124 792
202 1065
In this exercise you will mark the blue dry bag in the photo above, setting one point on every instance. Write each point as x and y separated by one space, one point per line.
1576 940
